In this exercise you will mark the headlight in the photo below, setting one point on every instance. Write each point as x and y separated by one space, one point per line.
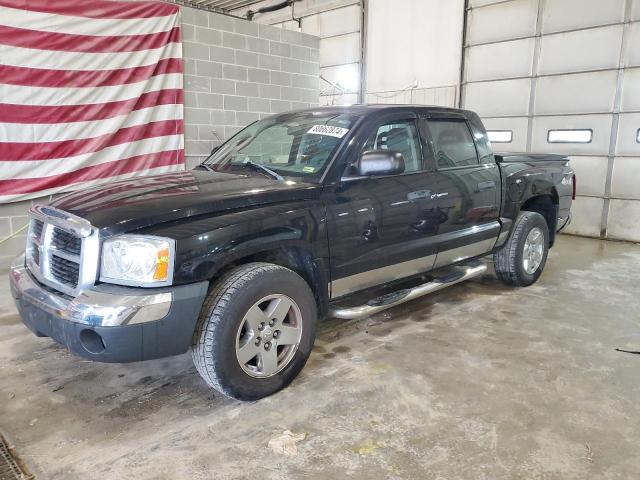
138 260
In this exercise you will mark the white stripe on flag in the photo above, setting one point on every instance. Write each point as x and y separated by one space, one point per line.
21 95
56 166
59 132
51 22
56 60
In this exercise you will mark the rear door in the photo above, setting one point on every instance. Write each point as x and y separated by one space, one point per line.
467 187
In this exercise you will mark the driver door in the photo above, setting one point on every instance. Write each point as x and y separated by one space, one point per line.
382 227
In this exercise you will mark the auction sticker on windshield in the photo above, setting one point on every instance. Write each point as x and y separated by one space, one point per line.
337 132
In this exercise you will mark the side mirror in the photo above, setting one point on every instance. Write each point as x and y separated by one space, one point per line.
380 162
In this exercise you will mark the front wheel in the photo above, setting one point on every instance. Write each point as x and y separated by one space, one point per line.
521 260
255 332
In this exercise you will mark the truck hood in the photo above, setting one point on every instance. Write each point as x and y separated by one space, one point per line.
129 205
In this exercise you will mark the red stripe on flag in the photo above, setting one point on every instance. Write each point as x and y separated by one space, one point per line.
18 151
30 114
66 42
40 77
95 172
95 8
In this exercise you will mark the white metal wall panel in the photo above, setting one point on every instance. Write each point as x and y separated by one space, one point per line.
502 21
600 124
340 50
515 60
333 22
627 143
625 179
591 173
592 49
623 220
631 90
632 54
635 10
518 127
562 15
586 214
592 92
498 99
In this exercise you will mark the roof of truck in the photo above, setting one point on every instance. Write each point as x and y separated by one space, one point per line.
367 108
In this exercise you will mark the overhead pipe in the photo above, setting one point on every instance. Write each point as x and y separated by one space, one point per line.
270 8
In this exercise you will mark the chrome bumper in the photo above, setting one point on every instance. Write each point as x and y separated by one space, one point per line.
106 305
108 323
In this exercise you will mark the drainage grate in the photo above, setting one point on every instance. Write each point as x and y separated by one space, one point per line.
10 468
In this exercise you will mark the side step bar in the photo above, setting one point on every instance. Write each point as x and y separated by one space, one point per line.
457 275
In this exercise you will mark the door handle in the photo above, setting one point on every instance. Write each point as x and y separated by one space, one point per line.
418 194
486 185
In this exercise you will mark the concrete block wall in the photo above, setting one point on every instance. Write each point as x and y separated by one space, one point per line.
237 72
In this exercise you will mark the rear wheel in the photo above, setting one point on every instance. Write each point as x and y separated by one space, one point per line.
255 332
521 260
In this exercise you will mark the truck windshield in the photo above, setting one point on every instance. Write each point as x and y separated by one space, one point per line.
296 144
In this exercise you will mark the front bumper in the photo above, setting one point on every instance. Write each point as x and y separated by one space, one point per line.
110 323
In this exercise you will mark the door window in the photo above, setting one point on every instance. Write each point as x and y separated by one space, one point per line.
398 136
453 144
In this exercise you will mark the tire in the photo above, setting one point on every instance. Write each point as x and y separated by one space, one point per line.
235 314
513 265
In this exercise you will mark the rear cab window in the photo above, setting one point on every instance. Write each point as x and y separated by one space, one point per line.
453 143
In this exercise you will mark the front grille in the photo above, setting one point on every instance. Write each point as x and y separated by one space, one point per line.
55 250
66 242
64 271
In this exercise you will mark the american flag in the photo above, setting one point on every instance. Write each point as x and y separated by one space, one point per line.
89 92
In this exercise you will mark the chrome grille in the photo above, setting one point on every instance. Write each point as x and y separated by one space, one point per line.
62 249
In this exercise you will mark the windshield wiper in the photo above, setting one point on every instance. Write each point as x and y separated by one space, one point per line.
205 166
257 166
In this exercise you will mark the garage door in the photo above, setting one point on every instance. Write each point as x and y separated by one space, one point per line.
564 76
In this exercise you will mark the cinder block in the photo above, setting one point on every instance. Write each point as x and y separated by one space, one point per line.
247 118
209 100
208 36
246 59
222 54
304 81
270 91
221 22
188 32
289 93
258 45
309 95
223 117
189 66
310 68
196 116
194 50
310 41
314 55
193 16
290 65
259 105
300 53
233 40
281 78
219 85
269 61
269 32
206 132
278 106
190 132
258 75
208 69
11 248
234 102
234 72
246 89
300 105
281 49
197 84
246 27
190 99
197 148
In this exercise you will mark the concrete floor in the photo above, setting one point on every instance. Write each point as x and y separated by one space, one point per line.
479 381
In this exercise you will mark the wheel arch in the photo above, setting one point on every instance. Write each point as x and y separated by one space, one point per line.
546 204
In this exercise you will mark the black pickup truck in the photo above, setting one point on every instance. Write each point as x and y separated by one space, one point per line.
336 211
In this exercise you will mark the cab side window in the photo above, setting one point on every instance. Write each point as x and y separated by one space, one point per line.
453 144
398 136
